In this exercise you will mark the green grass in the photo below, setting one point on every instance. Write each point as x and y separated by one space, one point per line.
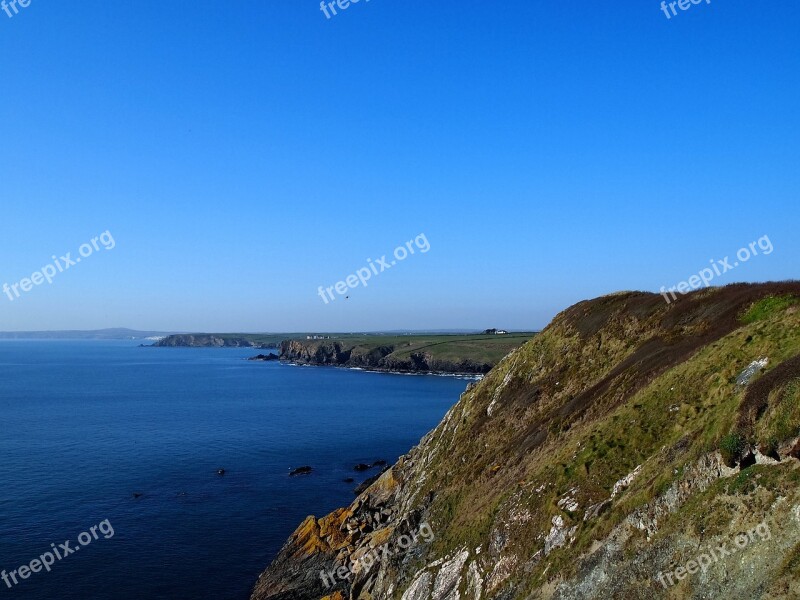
486 348
782 420
764 309
743 483
731 447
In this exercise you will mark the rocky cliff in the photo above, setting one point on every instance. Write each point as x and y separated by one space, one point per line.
634 449
378 358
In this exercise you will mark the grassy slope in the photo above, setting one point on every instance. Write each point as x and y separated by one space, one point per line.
614 384
549 451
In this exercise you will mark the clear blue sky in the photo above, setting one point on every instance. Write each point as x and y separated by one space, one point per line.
244 153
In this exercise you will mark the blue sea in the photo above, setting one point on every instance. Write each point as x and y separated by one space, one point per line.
84 426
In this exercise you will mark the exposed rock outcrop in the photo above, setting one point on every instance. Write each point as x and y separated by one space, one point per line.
265 357
381 358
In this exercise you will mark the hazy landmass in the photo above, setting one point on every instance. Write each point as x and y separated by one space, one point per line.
98 334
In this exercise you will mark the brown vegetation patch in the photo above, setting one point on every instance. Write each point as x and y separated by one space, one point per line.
687 325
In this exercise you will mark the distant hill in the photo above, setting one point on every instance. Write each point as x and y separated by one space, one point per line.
220 340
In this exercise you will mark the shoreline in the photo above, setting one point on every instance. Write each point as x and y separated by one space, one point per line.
471 376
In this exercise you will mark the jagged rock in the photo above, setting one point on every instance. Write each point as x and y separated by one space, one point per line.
474 580
625 482
420 588
568 502
595 509
559 535
265 357
449 578
752 369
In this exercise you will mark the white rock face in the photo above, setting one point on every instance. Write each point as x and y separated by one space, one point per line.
502 570
474 582
764 460
751 371
558 536
623 483
449 578
568 502
420 589
492 408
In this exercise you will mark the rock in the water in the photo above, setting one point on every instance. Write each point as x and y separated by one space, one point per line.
301 471
361 467
265 357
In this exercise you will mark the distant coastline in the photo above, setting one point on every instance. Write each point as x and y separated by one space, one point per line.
465 355
96 334
456 375
213 340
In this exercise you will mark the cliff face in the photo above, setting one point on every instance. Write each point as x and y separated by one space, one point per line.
633 449
381 358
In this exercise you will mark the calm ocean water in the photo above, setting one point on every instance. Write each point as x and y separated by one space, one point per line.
85 425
